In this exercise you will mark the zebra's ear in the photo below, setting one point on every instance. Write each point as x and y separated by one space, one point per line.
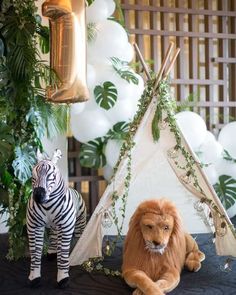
56 156
41 156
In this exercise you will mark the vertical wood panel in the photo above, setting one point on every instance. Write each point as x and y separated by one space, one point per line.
208 62
154 39
180 43
193 48
232 67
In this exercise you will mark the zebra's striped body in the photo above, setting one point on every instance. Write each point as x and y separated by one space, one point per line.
62 209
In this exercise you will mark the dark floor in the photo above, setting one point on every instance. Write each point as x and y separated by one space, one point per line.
210 280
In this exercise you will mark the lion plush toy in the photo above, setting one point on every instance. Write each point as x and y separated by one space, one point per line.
157 248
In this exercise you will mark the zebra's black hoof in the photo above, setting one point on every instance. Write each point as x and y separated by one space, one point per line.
64 283
35 283
51 256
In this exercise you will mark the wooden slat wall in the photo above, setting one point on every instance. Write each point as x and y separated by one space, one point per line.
206 33
87 181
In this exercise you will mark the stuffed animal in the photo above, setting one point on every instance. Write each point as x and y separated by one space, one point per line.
53 205
157 248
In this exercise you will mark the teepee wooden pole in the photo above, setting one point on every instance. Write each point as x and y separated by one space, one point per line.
145 67
163 65
168 69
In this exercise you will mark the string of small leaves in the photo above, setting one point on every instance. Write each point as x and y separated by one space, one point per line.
167 105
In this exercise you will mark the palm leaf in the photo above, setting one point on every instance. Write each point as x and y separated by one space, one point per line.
123 70
91 154
106 95
226 190
119 131
44 41
25 158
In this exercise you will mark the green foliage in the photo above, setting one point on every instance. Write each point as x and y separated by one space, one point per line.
119 131
6 142
228 157
91 154
123 70
25 159
155 127
226 190
91 31
106 95
25 117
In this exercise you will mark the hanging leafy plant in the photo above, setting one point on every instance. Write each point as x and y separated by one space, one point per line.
6 141
91 154
106 95
25 117
226 190
123 70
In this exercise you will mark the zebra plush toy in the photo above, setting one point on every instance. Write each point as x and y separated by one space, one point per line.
58 207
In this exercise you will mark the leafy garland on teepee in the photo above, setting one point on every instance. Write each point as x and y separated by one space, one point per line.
25 117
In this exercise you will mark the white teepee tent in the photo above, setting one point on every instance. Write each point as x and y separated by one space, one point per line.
157 171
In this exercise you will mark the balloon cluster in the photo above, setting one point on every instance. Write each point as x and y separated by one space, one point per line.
114 87
217 156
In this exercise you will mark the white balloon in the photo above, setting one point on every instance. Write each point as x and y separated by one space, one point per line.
111 41
128 52
224 167
89 125
112 151
124 89
107 172
193 128
111 6
210 151
77 108
124 110
209 136
232 211
91 76
227 137
97 11
211 173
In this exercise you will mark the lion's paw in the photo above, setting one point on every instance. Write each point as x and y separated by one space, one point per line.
193 265
137 292
155 290
193 261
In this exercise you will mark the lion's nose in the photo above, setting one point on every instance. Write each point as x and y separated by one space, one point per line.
156 243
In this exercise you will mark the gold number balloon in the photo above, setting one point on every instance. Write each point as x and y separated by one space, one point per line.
67 49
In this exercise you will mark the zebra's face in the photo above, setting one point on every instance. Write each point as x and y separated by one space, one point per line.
43 180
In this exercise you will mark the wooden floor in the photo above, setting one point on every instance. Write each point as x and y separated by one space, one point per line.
210 280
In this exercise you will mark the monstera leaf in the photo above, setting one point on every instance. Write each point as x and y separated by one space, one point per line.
118 131
91 154
122 69
25 158
226 190
106 95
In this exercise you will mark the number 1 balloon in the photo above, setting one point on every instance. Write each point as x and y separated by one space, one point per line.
67 49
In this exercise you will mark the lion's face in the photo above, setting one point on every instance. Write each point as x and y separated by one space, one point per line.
156 230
